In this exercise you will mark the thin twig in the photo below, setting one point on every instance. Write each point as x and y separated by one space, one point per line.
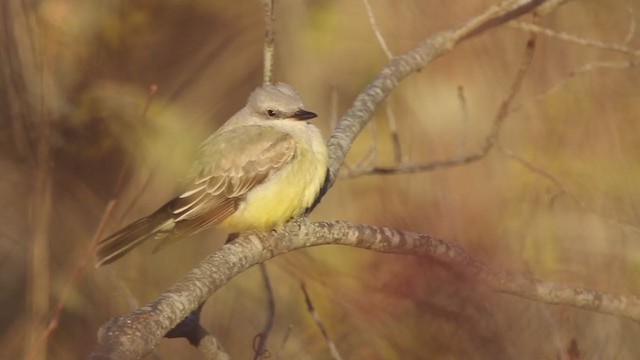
540 171
490 140
391 117
631 32
260 349
376 30
269 40
573 74
503 110
563 189
325 334
465 121
537 29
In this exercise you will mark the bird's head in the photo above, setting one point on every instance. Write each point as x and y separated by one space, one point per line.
278 101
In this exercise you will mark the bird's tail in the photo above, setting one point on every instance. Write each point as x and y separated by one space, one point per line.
118 244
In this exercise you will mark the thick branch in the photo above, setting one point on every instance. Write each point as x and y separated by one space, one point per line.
134 335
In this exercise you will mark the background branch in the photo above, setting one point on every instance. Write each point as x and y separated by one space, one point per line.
401 66
333 349
490 141
269 40
260 350
534 28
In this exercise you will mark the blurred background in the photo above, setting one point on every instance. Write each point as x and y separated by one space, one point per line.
76 79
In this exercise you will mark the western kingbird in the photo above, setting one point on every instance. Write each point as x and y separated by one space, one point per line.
265 165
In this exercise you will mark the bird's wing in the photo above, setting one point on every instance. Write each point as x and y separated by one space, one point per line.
230 165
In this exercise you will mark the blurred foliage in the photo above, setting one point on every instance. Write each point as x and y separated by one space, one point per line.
84 70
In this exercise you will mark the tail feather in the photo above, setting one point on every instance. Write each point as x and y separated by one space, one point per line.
118 244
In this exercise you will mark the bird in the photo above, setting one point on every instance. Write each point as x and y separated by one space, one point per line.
265 165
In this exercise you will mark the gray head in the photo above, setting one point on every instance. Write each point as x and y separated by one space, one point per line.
277 101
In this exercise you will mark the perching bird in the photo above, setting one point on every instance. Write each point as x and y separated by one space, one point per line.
265 165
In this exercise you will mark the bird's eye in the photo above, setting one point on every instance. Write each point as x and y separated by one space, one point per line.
271 113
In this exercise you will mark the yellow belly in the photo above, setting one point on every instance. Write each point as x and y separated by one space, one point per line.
287 194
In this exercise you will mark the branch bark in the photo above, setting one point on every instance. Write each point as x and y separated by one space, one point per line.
133 335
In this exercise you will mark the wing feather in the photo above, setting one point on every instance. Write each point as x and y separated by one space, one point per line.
231 164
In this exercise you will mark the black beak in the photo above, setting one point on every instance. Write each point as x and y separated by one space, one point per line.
303 115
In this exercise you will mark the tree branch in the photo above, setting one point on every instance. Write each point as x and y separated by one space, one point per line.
534 28
269 40
260 351
133 335
333 349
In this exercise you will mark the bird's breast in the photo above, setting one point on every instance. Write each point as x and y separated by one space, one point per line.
286 193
